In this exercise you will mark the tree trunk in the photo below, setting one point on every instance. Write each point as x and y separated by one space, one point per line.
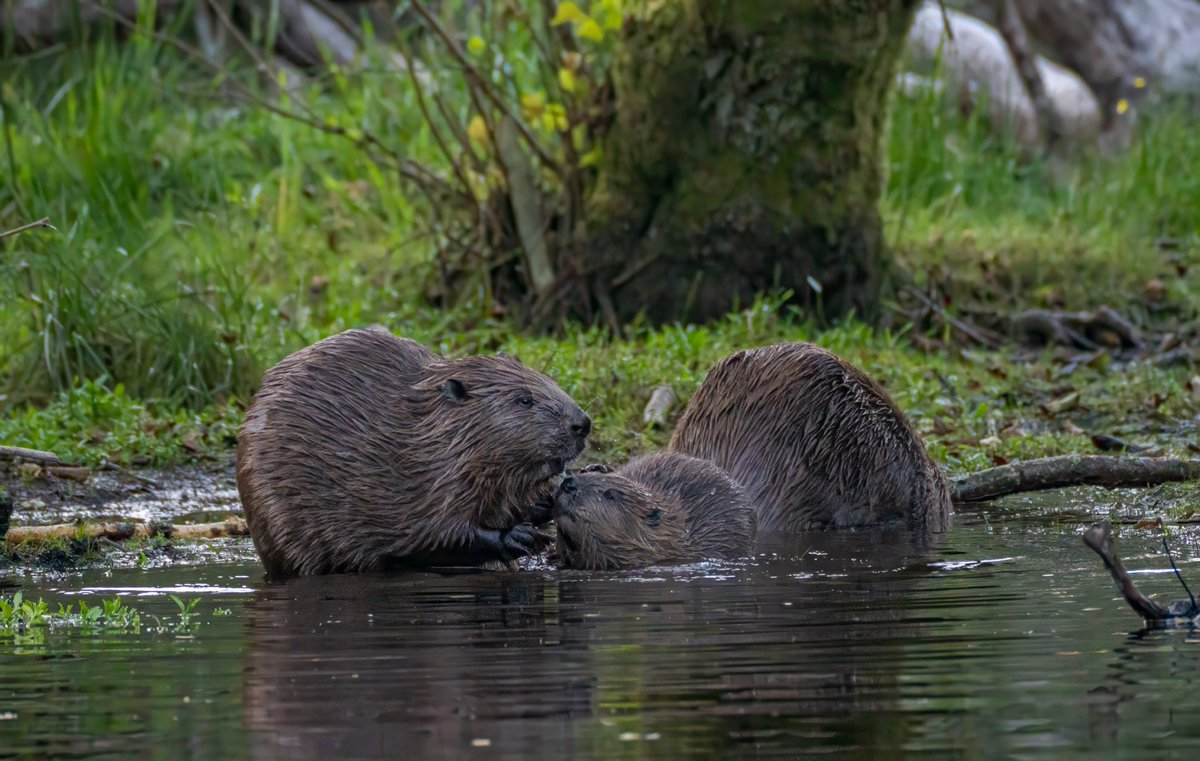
746 154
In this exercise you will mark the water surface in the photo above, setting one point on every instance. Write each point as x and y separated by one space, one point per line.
1006 641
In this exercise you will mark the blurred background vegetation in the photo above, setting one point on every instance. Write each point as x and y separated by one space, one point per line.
210 218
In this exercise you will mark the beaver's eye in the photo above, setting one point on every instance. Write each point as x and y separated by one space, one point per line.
609 494
525 400
653 517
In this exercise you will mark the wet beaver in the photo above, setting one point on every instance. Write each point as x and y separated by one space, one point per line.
366 451
813 441
663 507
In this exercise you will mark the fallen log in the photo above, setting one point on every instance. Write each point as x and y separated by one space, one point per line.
29 455
1071 470
120 531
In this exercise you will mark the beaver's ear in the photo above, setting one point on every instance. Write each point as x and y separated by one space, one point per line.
653 517
454 390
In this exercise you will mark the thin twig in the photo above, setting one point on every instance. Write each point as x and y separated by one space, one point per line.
483 85
43 222
1178 575
972 332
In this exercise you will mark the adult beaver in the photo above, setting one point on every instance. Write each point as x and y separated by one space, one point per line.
660 508
813 441
366 451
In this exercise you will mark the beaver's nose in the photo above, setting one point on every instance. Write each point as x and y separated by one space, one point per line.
583 427
567 486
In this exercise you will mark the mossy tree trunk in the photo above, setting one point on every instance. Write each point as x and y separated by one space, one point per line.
746 154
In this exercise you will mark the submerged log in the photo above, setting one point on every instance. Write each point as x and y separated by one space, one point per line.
1071 470
124 530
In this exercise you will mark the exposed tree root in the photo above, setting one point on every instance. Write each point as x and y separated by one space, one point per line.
1071 470
1099 539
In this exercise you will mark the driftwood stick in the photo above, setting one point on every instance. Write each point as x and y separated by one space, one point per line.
30 455
123 530
1071 470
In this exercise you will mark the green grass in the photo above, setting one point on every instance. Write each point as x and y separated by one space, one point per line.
200 241
963 204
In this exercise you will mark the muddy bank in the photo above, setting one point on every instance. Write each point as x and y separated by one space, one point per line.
191 493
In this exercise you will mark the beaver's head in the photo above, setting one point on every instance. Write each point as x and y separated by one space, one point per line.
607 521
502 424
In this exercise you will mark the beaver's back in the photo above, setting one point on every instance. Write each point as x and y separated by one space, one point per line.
813 440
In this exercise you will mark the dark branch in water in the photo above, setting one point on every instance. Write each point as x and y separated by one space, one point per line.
1099 539
1071 470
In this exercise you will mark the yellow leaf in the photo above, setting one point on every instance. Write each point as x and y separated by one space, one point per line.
612 20
566 80
565 14
354 134
1122 106
476 45
1139 82
533 103
591 30
477 129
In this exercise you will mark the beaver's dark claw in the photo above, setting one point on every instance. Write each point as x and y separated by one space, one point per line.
597 469
521 540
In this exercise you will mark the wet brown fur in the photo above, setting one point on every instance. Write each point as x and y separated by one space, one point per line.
814 442
365 451
661 508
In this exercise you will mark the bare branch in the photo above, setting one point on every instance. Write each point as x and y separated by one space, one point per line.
43 222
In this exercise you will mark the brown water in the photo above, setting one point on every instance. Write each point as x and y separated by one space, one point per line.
1004 642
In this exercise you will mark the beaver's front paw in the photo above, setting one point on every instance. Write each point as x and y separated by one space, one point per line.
521 540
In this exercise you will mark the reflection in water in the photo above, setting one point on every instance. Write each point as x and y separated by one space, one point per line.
687 659
1007 641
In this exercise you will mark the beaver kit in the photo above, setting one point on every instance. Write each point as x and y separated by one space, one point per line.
367 451
664 507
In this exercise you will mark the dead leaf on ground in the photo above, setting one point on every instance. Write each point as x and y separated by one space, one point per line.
1061 404
1070 427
